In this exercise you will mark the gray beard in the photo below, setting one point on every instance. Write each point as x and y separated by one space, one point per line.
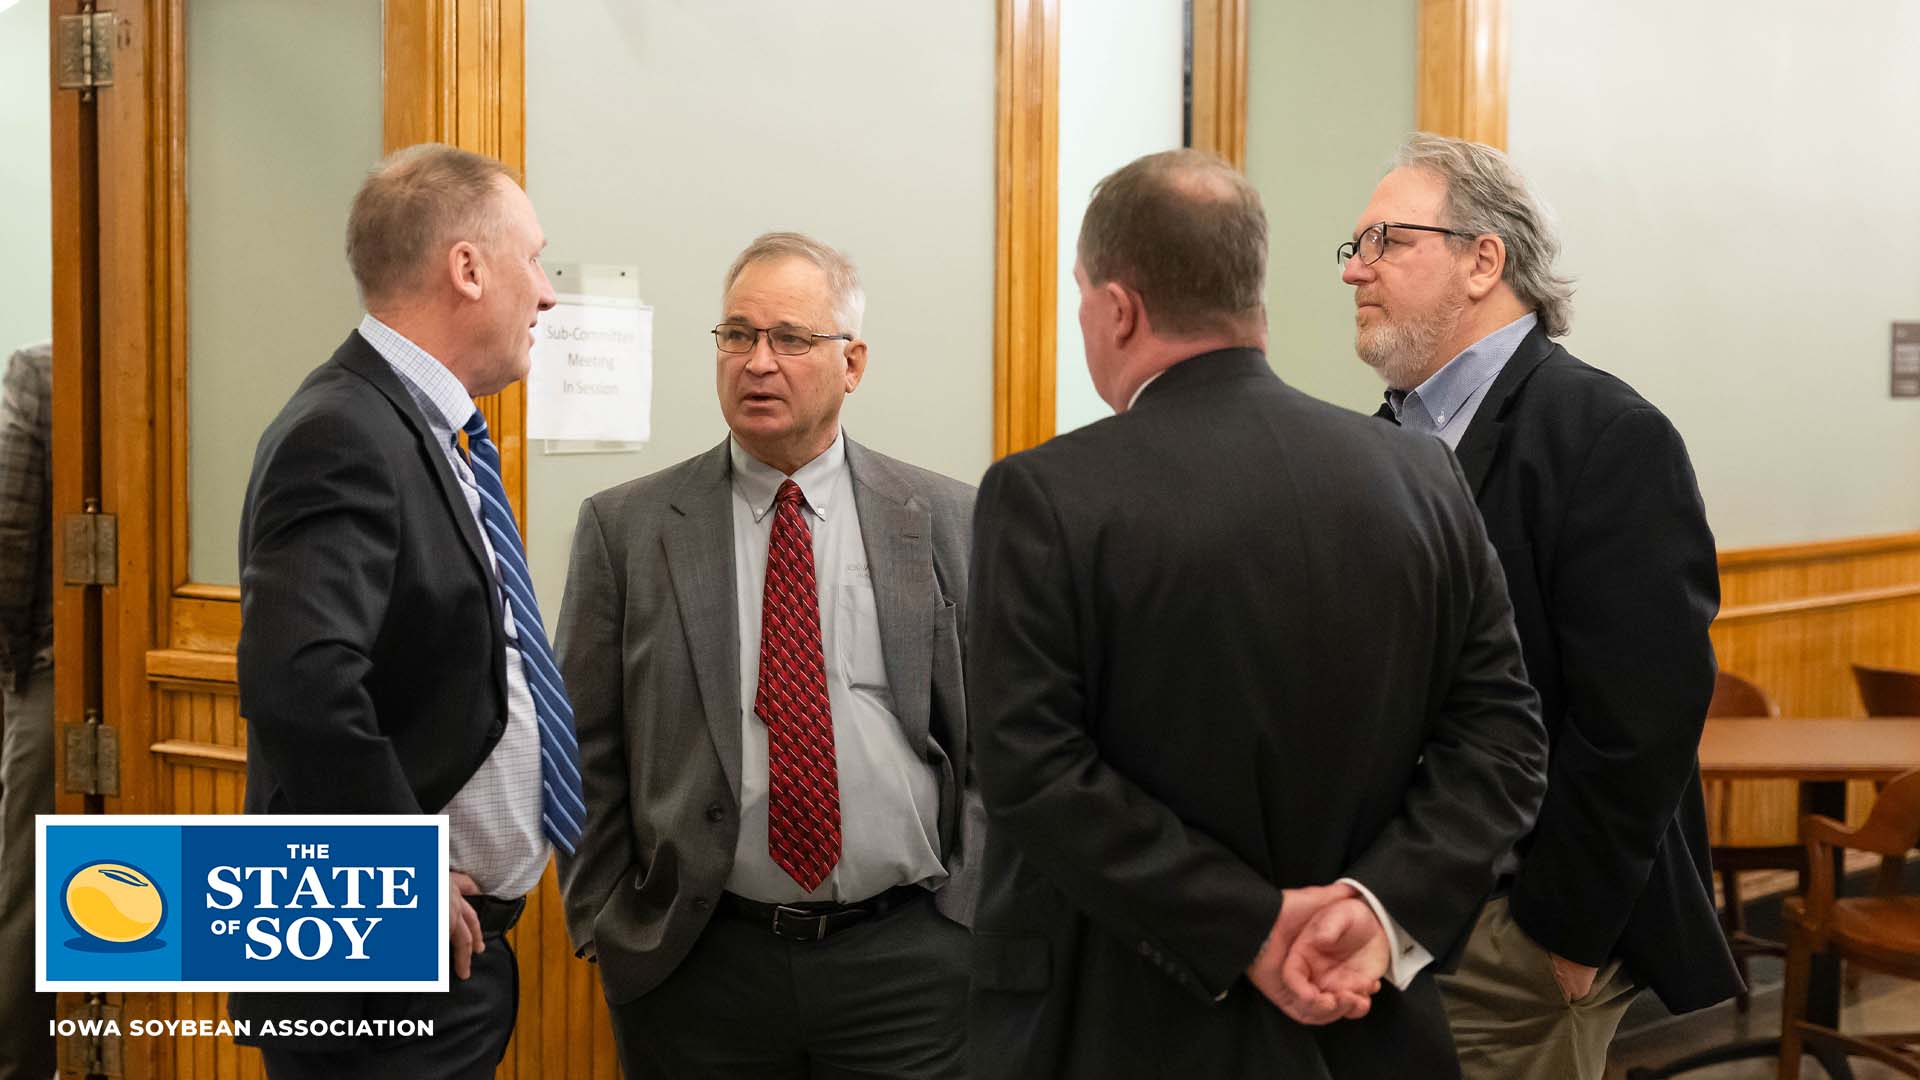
1402 353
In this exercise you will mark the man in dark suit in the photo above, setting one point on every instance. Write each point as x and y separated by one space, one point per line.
1591 502
26 695
391 656
1228 647
764 644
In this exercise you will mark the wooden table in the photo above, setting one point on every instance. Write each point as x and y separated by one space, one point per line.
1822 754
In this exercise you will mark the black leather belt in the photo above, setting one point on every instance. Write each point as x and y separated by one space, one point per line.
816 921
497 916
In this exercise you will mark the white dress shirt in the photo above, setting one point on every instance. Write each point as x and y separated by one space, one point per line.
494 834
889 795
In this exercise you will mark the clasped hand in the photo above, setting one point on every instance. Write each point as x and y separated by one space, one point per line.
1325 957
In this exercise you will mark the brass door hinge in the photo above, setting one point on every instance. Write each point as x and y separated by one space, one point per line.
93 546
93 757
94 1047
85 52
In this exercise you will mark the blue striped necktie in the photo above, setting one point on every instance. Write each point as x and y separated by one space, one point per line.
562 811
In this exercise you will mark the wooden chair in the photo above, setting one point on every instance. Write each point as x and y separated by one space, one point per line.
1885 692
1888 691
1881 931
1735 697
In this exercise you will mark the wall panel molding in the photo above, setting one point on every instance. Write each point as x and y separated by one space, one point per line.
1462 85
1219 103
455 72
1027 138
1793 619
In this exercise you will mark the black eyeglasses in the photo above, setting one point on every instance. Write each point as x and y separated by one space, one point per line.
786 340
1372 241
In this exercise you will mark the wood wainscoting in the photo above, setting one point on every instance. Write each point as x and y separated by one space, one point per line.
1794 619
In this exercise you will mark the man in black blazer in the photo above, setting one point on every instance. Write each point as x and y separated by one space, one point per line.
1590 500
391 660
1246 687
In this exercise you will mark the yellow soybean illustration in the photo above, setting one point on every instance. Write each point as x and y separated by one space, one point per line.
114 902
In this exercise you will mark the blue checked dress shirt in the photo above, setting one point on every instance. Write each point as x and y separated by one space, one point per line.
563 812
496 830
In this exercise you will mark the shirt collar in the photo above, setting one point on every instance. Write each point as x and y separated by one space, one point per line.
758 482
1477 365
1135 399
426 376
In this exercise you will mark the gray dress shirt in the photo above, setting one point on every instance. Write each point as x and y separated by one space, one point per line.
494 834
889 796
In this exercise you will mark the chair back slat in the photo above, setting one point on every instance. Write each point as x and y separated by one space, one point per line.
1735 696
1888 691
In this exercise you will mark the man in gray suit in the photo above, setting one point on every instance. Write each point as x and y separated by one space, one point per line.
763 648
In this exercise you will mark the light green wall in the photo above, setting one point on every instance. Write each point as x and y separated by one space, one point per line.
26 272
667 136
1740 215
1120 98
283 121
1330 93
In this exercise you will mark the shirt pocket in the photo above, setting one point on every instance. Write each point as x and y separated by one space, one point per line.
862 663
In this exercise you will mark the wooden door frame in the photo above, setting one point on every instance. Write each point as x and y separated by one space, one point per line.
1461 90
155 646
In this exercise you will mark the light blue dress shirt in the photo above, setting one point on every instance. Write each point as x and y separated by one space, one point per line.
1444 405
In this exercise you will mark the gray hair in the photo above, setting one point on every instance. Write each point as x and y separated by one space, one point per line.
1486 194
412 207
849 299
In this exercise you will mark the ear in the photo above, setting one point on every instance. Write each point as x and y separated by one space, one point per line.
464 270
856 358
1488 267
1126 315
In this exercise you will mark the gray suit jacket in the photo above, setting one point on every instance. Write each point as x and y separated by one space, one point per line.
649 644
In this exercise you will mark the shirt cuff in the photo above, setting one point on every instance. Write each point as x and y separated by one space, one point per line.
1409 956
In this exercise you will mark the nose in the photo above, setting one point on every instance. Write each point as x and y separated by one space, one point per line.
547 297
1356 271
760 358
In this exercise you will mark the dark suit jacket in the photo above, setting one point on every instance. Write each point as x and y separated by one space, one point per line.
1591 501
649 643
372 652
26 516
1232 640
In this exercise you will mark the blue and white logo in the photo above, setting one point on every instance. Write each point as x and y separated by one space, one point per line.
209 902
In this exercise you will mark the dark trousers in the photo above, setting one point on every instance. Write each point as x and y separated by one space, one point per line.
472 1022
886 998
26 789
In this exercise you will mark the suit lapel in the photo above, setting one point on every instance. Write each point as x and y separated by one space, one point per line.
699 549
363 360
897 531
1481 442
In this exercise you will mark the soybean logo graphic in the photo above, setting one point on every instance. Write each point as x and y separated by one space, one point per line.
115 906
203 902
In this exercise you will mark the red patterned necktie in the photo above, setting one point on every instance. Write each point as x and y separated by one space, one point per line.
803 804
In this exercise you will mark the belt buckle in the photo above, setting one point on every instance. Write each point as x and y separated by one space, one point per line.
785 915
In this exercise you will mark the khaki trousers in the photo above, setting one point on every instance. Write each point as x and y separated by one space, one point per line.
1510 1019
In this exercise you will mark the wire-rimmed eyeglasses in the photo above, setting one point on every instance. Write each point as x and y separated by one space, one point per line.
1372 241
785 340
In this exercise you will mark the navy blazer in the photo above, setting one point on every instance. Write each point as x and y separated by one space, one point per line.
372 653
